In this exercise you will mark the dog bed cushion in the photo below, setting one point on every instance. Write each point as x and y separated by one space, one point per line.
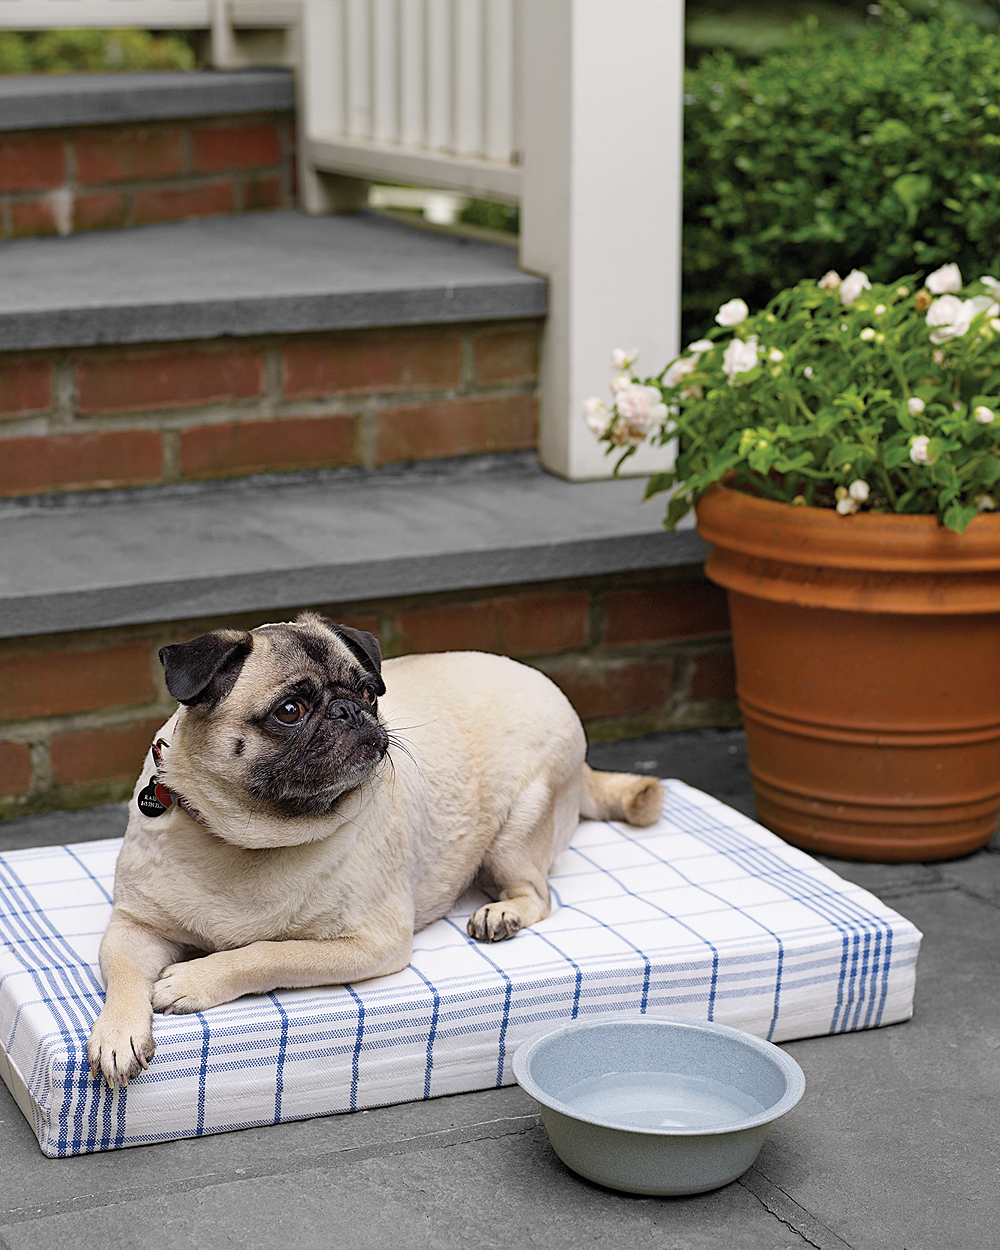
706 914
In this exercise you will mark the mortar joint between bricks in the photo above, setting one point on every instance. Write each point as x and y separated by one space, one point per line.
41 767
45 728
467 375
64 392
170 444
274 388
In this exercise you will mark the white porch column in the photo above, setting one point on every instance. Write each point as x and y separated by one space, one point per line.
601 120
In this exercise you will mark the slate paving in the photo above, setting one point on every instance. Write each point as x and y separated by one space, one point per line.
895 1146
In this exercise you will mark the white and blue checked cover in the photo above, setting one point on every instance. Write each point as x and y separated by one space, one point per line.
705 914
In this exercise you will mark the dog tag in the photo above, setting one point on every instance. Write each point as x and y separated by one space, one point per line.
148 800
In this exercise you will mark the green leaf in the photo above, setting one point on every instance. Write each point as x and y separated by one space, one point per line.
958 517
659 482
679 506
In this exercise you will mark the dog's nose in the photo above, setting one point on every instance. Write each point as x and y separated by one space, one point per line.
345 710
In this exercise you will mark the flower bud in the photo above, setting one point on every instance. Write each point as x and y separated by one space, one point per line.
984 415
867 334
859 490
915 406
624 358
847 505
830 280
923 300
919 453
985 502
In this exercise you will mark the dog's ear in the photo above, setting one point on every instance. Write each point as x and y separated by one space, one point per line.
366 647
206 668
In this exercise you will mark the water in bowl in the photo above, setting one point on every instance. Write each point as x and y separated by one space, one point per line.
660 1100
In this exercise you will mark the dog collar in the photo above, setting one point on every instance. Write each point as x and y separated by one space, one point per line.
155 798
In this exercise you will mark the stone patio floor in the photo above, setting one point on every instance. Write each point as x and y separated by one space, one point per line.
895 1146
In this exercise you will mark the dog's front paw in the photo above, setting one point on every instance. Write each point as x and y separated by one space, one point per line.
494 922
119 1050
194 985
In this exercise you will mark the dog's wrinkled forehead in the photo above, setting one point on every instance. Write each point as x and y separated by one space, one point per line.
292 647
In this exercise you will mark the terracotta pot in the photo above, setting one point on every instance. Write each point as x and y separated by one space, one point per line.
868 672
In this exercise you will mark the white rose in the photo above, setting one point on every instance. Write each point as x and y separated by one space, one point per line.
985 502
619 382
918 450
859 490
867 334
915 406
952 317
642 409
679 370
739 357
984 415
991 284
702 345
622 358
733 313
830 280
853 285
597 415
847 505
944 280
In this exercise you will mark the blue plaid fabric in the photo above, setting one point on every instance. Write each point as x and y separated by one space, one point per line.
706 914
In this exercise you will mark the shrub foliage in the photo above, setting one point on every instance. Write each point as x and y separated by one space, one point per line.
92 51
881 153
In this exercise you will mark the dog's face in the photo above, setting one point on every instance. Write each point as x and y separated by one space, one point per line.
283 719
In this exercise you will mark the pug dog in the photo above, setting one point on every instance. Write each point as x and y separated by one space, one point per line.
307 809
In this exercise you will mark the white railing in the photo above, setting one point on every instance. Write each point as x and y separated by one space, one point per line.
570 108
417 91
62 14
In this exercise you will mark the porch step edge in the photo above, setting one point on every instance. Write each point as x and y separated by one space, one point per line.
279 272
267 547
42 102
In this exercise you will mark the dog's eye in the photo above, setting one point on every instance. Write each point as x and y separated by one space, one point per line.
290 713
369 696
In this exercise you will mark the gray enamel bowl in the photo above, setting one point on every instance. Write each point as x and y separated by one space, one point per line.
657 1104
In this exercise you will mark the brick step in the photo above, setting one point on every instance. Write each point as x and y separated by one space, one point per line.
483 553
274 341
97 151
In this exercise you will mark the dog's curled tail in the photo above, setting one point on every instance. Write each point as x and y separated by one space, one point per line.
621 796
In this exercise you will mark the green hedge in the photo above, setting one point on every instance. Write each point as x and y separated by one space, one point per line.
880 153
90 51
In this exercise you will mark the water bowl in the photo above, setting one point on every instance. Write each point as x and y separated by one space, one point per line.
657 1104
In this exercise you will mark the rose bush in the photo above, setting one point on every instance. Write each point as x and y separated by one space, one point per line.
844 394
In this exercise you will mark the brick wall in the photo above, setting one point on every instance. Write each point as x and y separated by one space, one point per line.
635 653
94 418
102 177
